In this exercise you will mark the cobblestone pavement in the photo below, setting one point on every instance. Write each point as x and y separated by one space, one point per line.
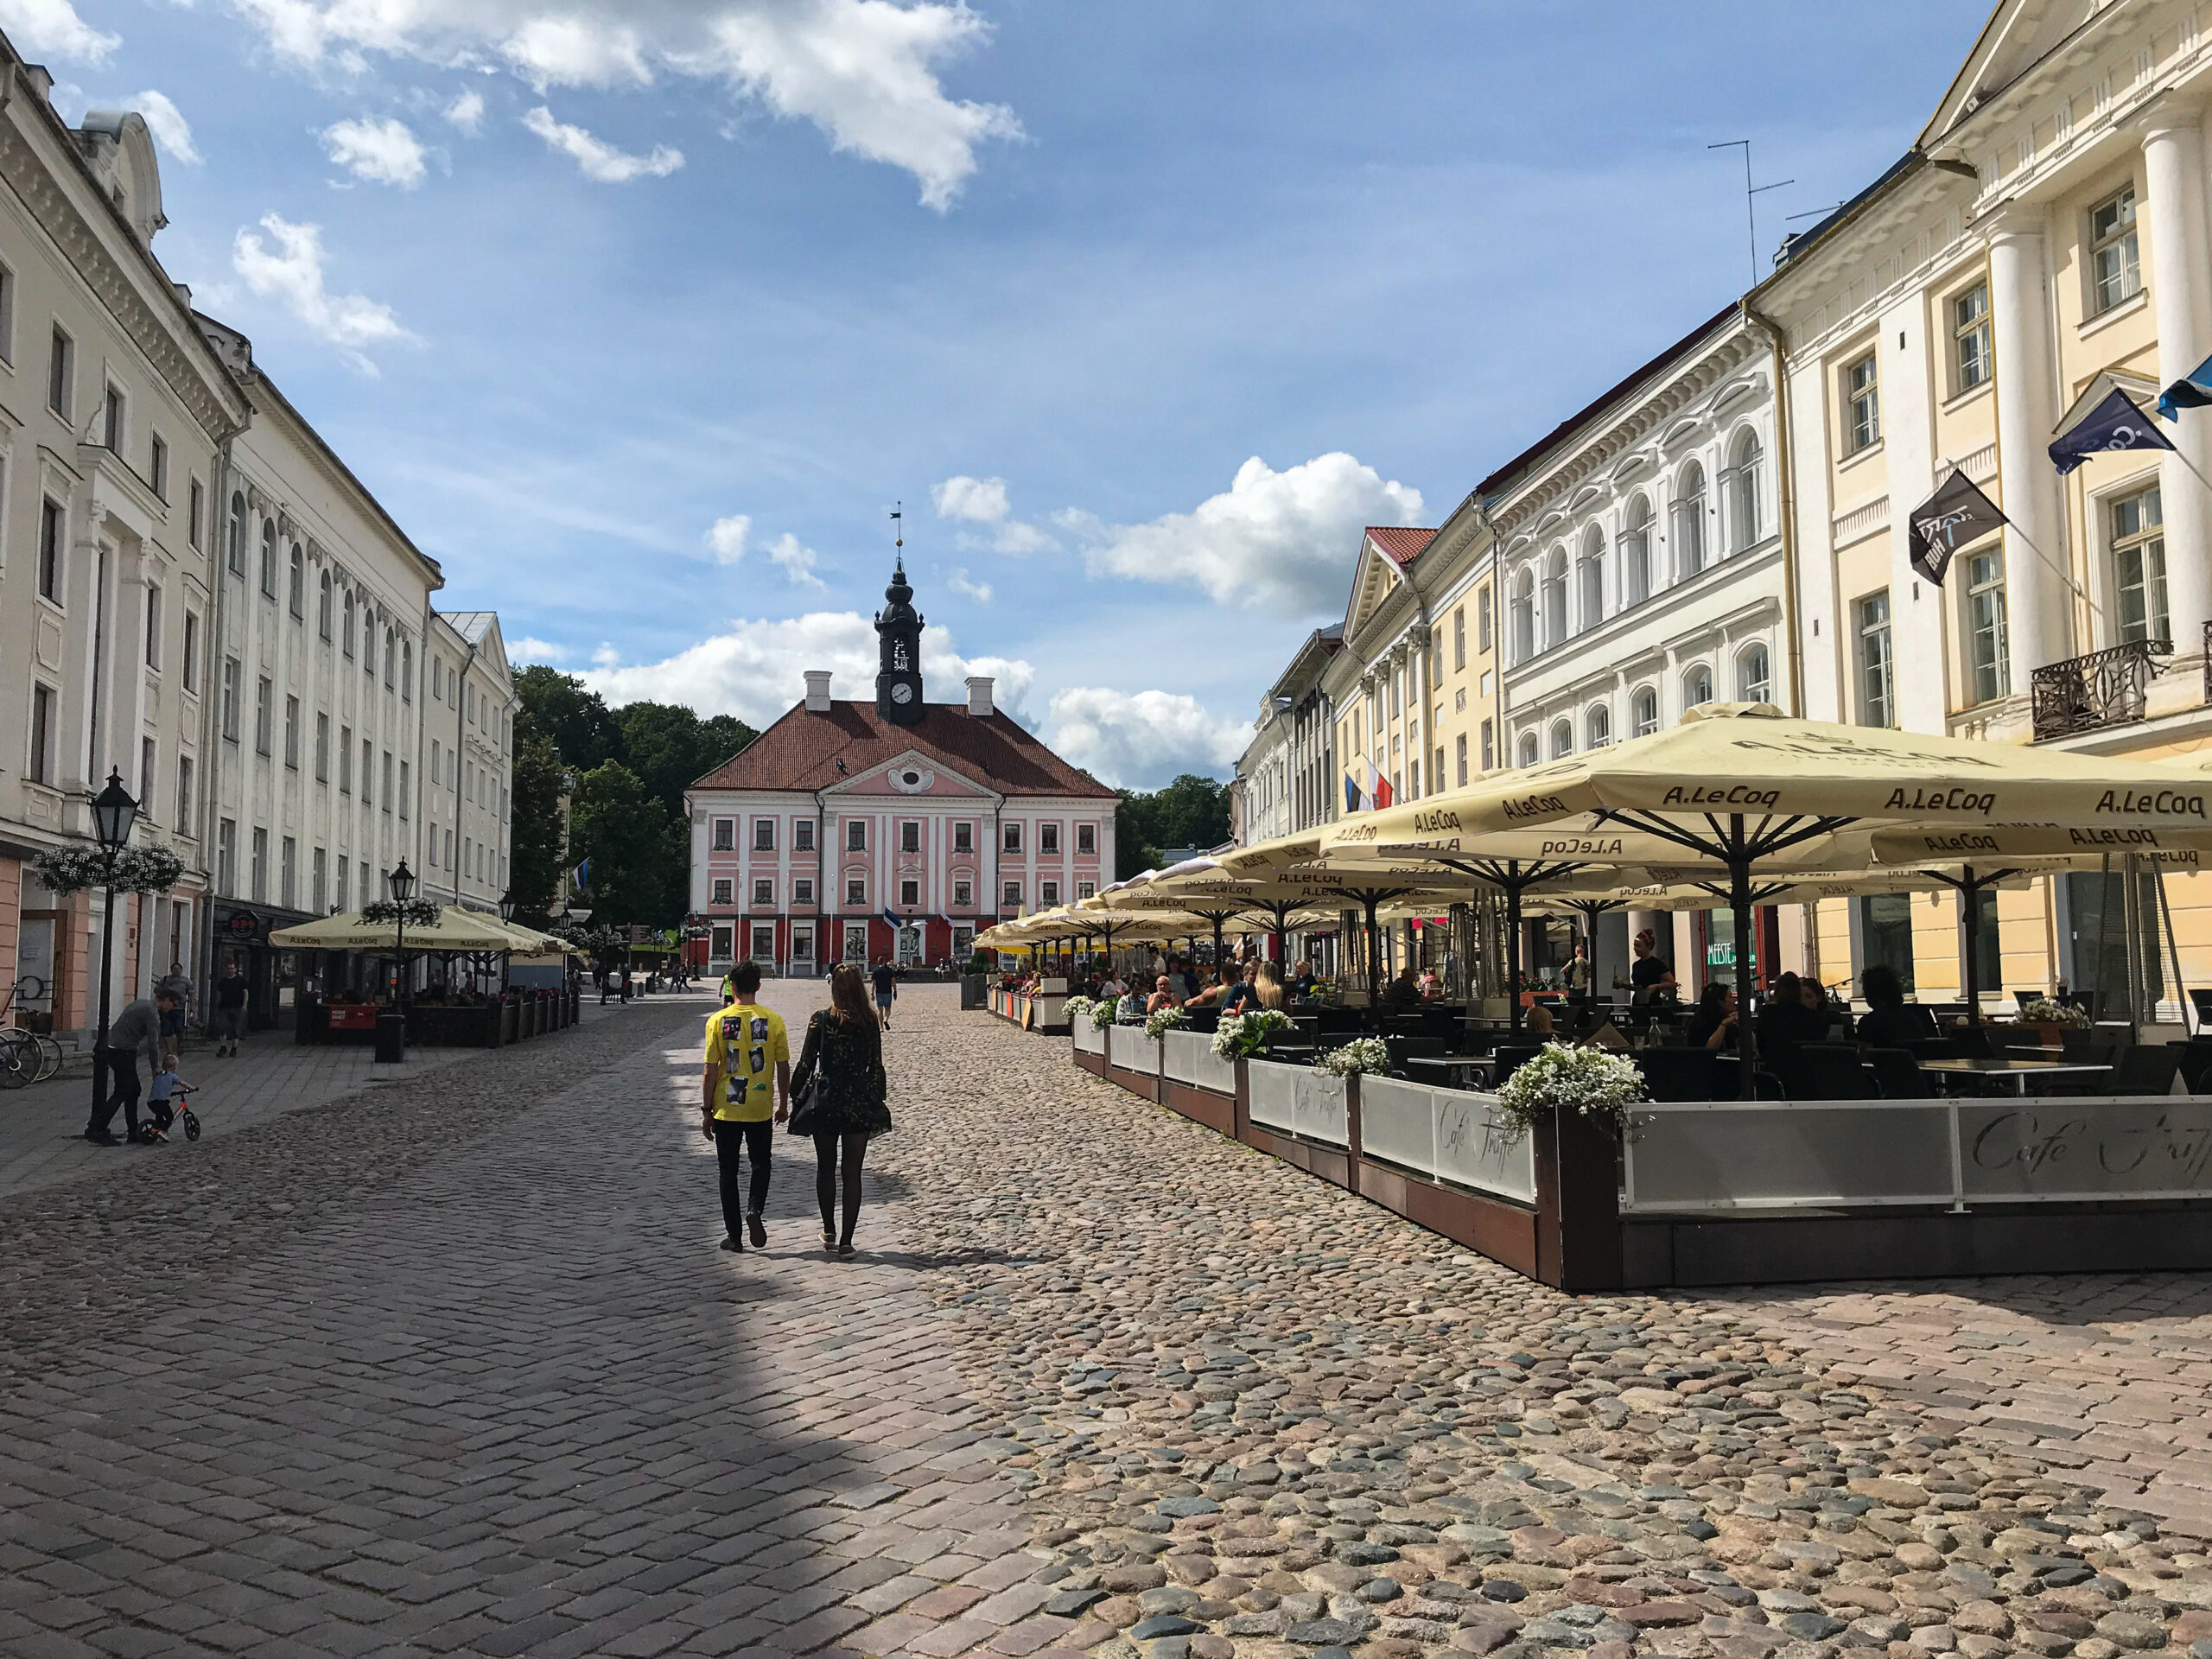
454 1367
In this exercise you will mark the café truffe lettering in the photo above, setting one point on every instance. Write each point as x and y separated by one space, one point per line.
2025 1140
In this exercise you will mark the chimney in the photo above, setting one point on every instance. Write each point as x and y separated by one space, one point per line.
817 690
979 694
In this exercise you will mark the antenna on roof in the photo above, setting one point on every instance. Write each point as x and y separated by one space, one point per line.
1752 193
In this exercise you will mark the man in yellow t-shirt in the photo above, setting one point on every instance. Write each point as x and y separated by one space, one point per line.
747 1046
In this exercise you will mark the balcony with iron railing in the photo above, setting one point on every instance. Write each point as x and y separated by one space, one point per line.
2101 689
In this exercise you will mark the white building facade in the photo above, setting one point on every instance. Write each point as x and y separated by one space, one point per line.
468 745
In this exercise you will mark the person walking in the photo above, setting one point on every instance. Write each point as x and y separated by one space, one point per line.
229 1009
887 990
746 1047
842 1058
178 984
137 1030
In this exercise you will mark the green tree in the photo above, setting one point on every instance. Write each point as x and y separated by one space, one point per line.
671 748
535 851
573 718
636 861
1192 812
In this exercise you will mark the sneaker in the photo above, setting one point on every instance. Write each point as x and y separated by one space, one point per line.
757 1229
845 1251
102 1138
733 1243
829 1239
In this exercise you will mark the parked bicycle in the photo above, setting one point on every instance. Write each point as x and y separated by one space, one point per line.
26 1057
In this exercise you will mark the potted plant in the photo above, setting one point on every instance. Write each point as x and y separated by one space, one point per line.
1588 1084
1361 1057
2052 1019
1240 1036
1163 1020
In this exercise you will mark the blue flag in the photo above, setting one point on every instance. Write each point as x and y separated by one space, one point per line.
582 873
2115 423
1352 796
890 919
2192 391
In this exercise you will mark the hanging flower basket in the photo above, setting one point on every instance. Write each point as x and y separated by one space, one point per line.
1572 1082
80 865
415 912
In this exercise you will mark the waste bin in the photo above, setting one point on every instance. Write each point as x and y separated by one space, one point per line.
391 1039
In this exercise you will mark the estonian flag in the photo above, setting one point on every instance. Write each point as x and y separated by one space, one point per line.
2192 391
892 920
2115 423
582 875
1354 801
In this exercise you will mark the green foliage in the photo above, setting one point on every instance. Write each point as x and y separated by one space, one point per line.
535 857
616 824
574 719
1192 812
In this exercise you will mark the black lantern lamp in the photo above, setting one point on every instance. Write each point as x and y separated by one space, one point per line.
403 883
507 905
114 815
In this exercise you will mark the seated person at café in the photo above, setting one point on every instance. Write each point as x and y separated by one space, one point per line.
1432 988
1715 1025
1539 1022
1163 997
1301 979
1796 1013
1887 1022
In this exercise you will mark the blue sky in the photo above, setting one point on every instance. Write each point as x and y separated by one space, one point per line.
640 316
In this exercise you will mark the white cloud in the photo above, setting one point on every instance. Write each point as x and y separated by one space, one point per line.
167 123
798 561
528 650
728 537
381 152
978 591
467 112
292 274
1142 739
600 161
983 502
1280 541
755 670
52 29
864 73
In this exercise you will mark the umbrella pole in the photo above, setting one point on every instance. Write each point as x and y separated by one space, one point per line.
1374 966
1513 946
1970 976
1282 940
1739 907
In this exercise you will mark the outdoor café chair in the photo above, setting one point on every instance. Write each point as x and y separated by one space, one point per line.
1677 1074
1831 1071
1897 1074
2145 1068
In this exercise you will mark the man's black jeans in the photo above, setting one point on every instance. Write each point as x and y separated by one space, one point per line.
123 1089
754 1140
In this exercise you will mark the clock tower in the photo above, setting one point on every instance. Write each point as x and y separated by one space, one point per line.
899 677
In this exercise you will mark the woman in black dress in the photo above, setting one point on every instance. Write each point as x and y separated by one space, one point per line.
844 1050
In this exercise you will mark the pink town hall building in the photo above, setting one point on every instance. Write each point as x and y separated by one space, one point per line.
892 829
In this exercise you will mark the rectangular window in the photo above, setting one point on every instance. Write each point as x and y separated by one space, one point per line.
1970 357
146 775
258 872
722 890
2115 266
322 748
964 894
345 760
191 651
764 943
115 430
763 834
322 867
1989 650
1012 898
264 713
1085 889
1048 837
855 893
184 803
1459 637
1490 747
288 874
6 314
227 857
1086 839
1482 619
1013 841
764 894
1877 671
157 466
1885 934
856 835
338 896
1048 893
910 837
803 891
368 772
195 510
292 732
41 746
2138 565
61 375
230 710
803 835
724 834
404 790
1461 770
910 892
387 780
1862 405
963 837
51 537
153 627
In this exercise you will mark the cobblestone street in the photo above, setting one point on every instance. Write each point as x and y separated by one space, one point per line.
453 1366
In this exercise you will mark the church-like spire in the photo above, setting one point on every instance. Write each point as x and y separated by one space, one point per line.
899 632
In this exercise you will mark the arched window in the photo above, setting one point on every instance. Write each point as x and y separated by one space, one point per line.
268 558
322 605
346 640
1636 553
1554 599
1697 686
1744 526
407 671
391 656
1590 580
298 591
236 539
1562 739
1529 755
1689 524
1754 683
1524 617
1598 727
1644 711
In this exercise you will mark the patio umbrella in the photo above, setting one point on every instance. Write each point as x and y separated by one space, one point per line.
1742 786
456 929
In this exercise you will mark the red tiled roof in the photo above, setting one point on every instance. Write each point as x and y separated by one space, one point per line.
802 750
1402 545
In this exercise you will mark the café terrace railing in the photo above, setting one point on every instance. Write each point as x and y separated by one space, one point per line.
2103 688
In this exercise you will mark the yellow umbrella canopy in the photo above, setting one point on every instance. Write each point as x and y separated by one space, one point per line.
456 929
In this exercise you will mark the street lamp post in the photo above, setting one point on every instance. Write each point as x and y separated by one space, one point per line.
403 889
507 905
114 814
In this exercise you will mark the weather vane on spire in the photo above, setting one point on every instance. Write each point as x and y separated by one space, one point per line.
898 526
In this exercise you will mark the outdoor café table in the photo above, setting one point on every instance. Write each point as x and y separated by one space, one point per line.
1454 1070
2015 1072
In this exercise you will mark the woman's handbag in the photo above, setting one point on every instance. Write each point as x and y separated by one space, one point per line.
803 1099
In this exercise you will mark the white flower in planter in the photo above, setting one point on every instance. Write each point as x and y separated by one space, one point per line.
1363 1055
1587 1081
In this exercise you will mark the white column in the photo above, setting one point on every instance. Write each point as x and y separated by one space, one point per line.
2035 544
2173 165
